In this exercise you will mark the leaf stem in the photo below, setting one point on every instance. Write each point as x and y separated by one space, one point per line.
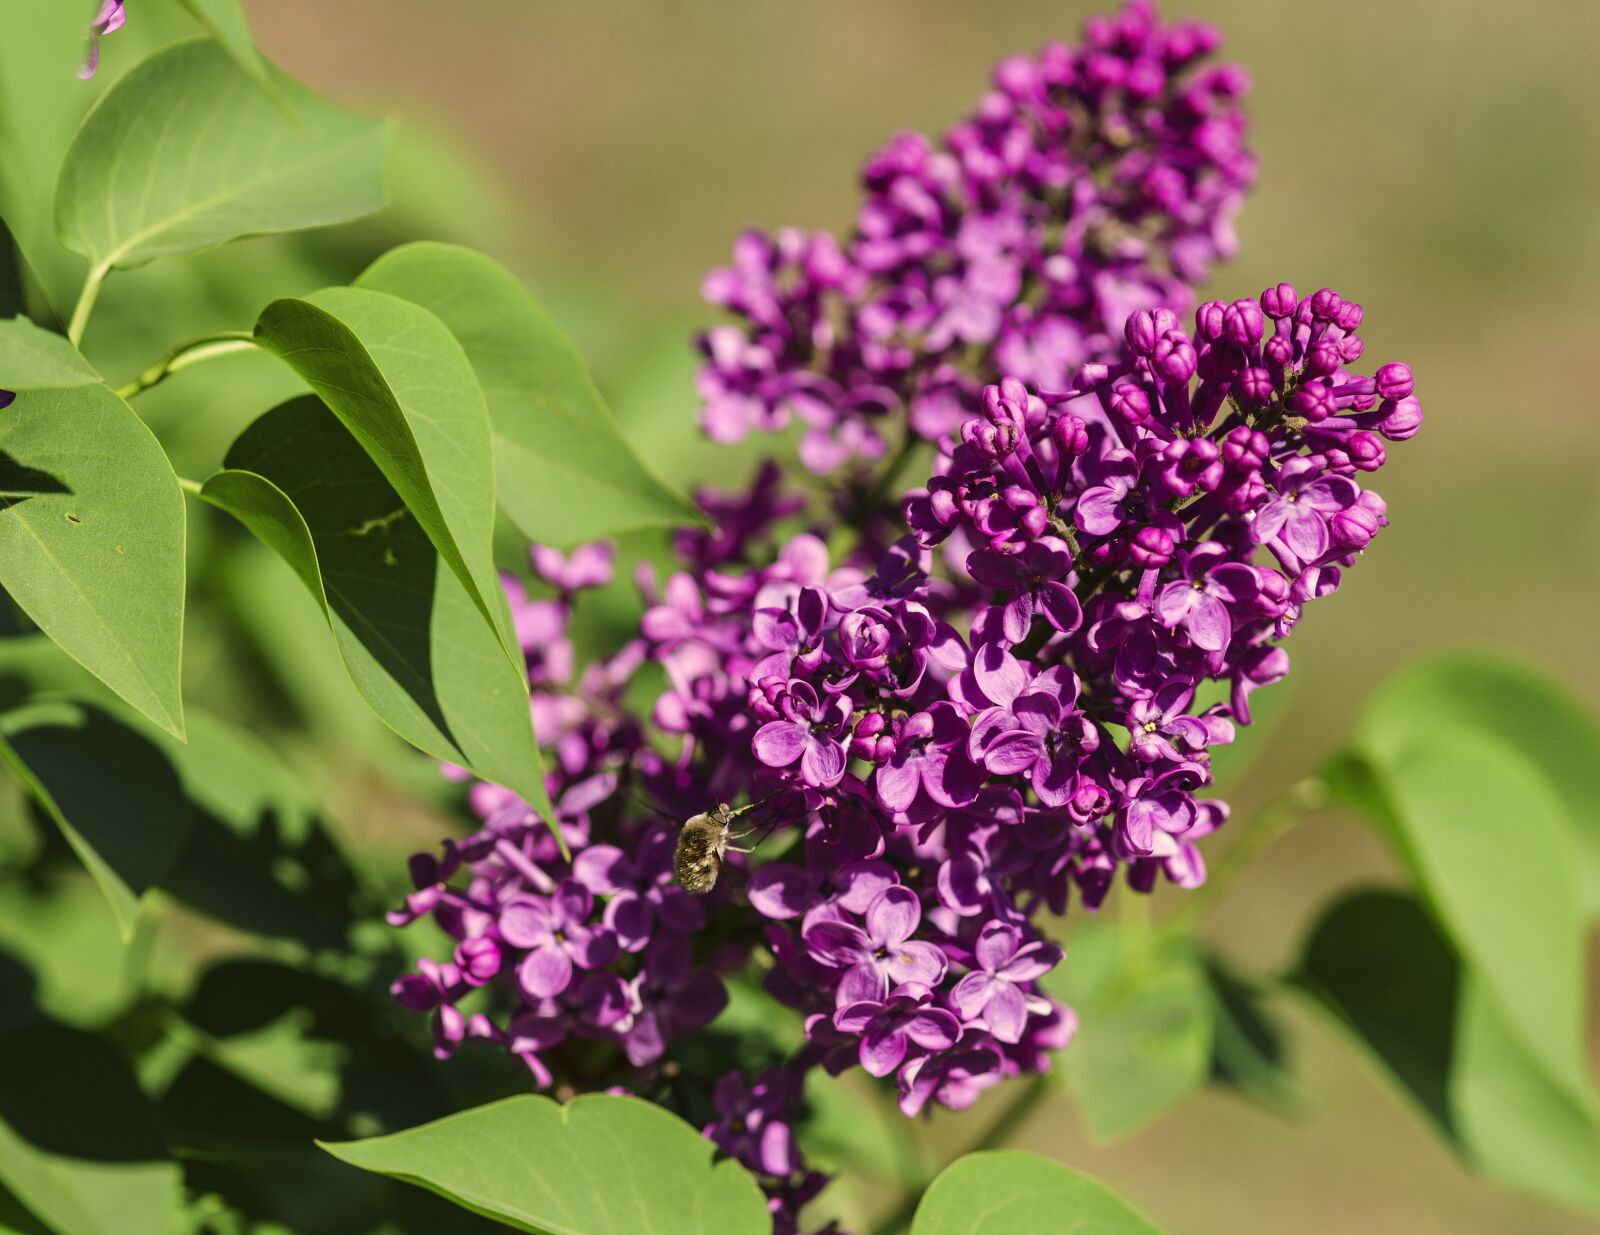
1298 801
207 347
86 299
189 486
995 1136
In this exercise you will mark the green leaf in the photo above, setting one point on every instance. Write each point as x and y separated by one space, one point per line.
1378 963
412 640
41 103
186 153
91 523
22 293
566 473
398 380
1518 705
1142 1048
80 1146
1480 828
600 1165
226 22
111 790
1248 1048
257 857
1006 1192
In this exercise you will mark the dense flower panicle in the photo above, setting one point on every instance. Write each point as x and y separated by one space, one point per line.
953 735
1089 182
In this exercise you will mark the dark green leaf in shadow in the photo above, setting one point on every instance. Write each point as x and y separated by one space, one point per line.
105 1173
110 788
599 1165
413 642
397 379
565 472
186 153
1249 1049
258 858
22 294
1486 840
1378 963
1007 1192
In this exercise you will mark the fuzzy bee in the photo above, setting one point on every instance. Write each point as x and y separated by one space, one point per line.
703 842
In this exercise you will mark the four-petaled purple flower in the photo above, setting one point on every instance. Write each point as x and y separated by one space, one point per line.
888 1029
555 931
808 732
993 991
881 956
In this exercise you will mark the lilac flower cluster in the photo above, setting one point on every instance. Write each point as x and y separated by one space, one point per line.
1088 183
598 947
944 739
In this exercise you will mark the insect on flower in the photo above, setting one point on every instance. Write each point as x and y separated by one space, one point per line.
703 842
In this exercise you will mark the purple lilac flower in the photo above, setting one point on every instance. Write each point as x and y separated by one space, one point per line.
109 19
991 717
1088 183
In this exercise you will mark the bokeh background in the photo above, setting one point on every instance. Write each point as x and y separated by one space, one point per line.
1438 160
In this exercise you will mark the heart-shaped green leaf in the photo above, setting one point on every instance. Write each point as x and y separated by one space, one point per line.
565 471
412 640
91 523
599 1165
1378 963
398 380
1006 1192
186 152
1516 704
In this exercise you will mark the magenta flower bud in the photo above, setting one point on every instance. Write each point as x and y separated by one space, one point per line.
1254 386
1279 351
1089 801
1365 451
479 959
1070 435
1325 304
1323 360
1174 360
1013 391
1209 321
992 441
1145 328
1314 401
1145 80
1245 449
1243 323
1272 593
1130 404
1348 318
1394 381
1353 529
1401 419
1351 347
1152 547
1280 301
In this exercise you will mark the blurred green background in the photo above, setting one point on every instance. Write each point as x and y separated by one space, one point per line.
1438 160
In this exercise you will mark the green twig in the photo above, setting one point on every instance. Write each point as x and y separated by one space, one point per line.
207 347
85 305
